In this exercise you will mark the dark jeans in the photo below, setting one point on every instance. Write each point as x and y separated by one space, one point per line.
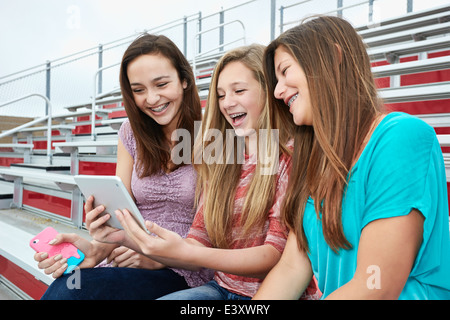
115 284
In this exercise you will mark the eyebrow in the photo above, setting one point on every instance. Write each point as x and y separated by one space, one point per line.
278 67
235 84
154 80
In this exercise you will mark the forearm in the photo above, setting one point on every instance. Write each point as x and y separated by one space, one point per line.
290 277
284 283
253 262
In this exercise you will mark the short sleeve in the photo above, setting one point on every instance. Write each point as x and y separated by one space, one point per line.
406 172
126 135
398 170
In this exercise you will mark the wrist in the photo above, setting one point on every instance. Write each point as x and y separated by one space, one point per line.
100 250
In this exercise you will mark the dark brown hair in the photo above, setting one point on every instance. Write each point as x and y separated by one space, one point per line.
344 104
152 146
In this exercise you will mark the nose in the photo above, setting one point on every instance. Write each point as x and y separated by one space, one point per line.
228 102
279 90
152 97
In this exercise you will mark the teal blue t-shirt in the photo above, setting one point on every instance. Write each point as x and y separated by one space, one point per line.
400 169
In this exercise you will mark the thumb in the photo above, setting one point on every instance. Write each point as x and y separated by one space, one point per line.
64 237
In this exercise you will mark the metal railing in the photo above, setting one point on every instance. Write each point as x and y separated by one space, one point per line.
47 117
220 47
94 99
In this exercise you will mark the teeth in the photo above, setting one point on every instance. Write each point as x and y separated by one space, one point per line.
161 108
235 115
292 100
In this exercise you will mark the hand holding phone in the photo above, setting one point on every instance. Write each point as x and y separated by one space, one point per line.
40 243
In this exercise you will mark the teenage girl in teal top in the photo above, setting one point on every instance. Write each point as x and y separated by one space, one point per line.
368 212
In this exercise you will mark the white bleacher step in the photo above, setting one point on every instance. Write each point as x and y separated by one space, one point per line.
409 35
436 120
62 181
406 22
444 140
6 194
112 93
18 147
203 83
98 102
42 167
60 127
82 113
409 48
101 146
446 160
419 66
113 123
435 91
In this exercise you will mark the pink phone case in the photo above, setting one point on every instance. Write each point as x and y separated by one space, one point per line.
40 243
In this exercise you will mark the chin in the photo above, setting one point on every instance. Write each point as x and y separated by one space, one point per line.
243 132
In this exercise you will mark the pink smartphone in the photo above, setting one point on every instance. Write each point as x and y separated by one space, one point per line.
40 243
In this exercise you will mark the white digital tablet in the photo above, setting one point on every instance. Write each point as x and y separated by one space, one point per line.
112 193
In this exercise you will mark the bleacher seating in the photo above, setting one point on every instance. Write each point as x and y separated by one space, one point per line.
411 61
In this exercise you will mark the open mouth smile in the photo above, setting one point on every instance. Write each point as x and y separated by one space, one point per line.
237 118
292 99
160 108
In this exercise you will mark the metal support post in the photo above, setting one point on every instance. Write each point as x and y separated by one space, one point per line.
272 19
221 30
281 19
340 4
199 30
47 85
185 36
100 65
409 6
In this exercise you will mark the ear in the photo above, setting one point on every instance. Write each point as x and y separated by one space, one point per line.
184 84
339 52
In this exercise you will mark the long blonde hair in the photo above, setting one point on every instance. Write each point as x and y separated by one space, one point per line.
344 104
218 181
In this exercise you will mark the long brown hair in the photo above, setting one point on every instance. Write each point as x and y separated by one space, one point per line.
344 104
219 181
153 149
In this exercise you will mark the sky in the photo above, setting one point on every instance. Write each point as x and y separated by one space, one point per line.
34 31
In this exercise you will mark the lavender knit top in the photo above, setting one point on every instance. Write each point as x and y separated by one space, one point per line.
166 199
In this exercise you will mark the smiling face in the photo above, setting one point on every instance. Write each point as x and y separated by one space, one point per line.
157 89
292 86
241 98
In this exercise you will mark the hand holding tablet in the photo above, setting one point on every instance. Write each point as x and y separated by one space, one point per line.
110 192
